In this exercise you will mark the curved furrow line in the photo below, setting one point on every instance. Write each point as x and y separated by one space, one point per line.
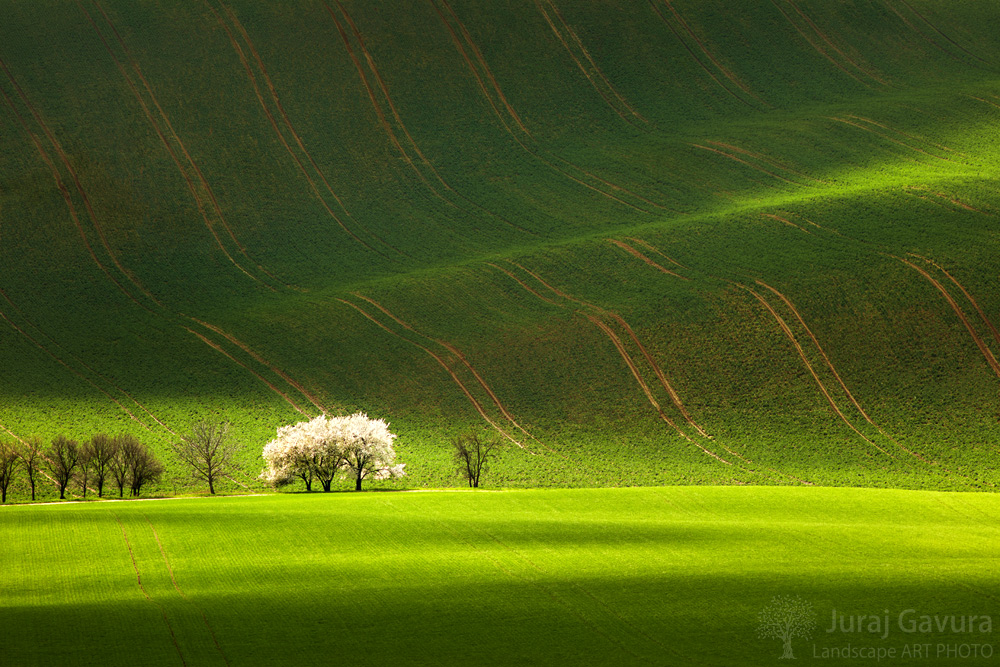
629 361
274 123
785 221
649 247
888 138
458 354
635 253
931 41
816 47
472 399
261 360
708 54
416 148
749 164
913 189
63 190
904 134
982 314
218 348
938 31
170 571
590 77
87 366
202 209
220 216
486 68
815 28
145 593
291 128
763 158
694 56
805 361
534 152
521 283
987 354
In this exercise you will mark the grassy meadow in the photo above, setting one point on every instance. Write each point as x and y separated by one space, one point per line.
662 576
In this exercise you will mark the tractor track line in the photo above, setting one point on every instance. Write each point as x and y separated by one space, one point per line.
167 145
765 159
521 283
259 359
826 39
291 128
749 164
194 165
219 348
888 138
579 64
924 35
972 300
938 31
170 570
138 578
905 134
635 253
416 148
694 56
815 46
785 221
458 354
708 54
443 364
518 140
486 68
653 249
60 184
911 189
802 355
274 122
987 354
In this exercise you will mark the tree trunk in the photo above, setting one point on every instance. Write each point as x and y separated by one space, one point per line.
357 483
788 650
211 487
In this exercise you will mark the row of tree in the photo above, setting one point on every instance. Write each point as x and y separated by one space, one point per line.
121 461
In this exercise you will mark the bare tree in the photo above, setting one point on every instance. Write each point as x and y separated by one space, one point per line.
120 464
143 469
83 467
10 457
209 451
472 454
61 459
31 459
102 452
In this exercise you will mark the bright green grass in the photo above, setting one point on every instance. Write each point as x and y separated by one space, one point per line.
616 576
871 128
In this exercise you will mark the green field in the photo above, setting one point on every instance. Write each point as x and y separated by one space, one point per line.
662 576
695 242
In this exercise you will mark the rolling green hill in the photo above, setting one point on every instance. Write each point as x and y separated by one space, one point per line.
647 242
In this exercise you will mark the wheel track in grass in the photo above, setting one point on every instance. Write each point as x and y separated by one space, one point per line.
158 309
594 315
905 134
825 38
694 56
291 129
934 464
383 87
975 304
728 449
936 29
763 158
816 47
177 587
747 163
888 138
914 189
520 141
608 91
508 569
635 253
193 187
465 390
145 593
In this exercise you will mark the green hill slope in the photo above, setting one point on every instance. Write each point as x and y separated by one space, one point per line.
653 242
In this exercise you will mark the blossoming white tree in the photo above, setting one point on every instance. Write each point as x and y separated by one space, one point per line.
321 447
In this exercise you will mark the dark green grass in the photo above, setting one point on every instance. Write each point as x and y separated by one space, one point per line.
871 127
636 576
